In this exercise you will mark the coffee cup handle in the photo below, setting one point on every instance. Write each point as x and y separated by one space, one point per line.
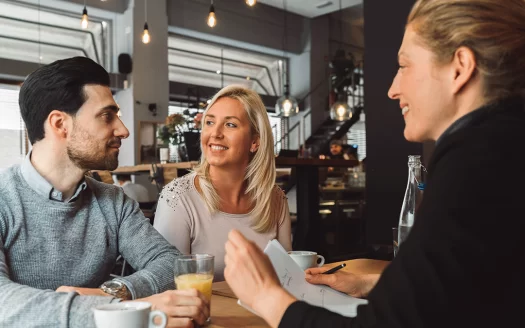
322 260
158 313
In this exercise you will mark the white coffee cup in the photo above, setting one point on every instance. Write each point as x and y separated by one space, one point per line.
128 315
307 259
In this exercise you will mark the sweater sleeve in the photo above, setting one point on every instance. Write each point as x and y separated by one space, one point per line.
24 306
146 251
301 314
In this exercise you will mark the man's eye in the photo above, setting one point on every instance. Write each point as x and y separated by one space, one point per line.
107 117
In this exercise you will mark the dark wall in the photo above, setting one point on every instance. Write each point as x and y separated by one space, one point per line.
387 150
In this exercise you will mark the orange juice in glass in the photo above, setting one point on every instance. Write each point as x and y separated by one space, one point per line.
195 272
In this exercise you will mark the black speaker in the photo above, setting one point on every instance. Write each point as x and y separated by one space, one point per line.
124 63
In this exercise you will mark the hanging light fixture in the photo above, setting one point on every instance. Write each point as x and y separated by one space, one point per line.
286 105
340 110
212 20
84 22
145 35
251 3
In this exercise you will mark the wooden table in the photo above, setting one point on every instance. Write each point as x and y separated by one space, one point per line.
226 313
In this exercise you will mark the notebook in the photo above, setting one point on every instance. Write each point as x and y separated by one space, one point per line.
292 279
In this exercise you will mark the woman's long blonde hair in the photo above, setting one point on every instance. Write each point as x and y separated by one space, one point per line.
260 173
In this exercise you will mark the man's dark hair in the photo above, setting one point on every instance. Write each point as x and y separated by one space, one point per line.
57 86
336 142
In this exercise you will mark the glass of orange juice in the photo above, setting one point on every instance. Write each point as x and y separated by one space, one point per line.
195 272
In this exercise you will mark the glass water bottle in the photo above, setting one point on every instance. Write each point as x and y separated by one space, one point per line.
413 196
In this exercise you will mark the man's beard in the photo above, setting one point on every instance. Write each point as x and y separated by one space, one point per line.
87 156
85 161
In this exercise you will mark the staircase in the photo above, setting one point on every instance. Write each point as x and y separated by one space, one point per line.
329 130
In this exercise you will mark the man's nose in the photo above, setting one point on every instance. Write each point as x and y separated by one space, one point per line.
121 131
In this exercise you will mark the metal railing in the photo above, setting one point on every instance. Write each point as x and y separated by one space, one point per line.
300 127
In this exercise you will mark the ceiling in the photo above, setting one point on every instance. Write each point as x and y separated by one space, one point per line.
311 8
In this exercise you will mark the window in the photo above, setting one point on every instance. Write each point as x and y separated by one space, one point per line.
357 136
213 65
31 33
13 140
275 123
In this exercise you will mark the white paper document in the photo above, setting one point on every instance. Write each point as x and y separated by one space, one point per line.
292 279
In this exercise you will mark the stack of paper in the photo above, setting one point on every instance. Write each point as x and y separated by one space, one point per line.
292 279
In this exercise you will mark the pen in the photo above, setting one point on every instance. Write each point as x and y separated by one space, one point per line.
334 269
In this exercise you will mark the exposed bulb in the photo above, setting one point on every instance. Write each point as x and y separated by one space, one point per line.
340 111
212 21
145 35
287 107
251 3
84 22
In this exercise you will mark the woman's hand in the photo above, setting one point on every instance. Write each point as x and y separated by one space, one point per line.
343 281
251 277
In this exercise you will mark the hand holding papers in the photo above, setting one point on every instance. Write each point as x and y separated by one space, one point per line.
292 279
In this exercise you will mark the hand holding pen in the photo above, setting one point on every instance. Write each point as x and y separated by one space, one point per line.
342 280
334 269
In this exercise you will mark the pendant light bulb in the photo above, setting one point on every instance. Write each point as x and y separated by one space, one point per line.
340 111
85 21
212 20
251 3
145 35
286 105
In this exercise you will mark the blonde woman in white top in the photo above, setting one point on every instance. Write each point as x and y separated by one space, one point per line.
233 187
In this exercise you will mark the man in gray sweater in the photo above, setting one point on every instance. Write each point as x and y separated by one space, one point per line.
61 232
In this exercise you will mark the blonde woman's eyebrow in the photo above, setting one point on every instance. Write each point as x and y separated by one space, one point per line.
226 117
234 117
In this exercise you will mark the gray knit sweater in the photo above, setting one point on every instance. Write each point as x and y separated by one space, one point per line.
45 244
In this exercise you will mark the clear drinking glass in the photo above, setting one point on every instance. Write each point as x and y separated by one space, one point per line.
195 272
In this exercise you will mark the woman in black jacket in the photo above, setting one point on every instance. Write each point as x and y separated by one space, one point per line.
461 83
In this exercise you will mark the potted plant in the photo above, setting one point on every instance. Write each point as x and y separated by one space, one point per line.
171 133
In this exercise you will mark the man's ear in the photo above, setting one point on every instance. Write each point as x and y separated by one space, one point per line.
464 66
57 123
